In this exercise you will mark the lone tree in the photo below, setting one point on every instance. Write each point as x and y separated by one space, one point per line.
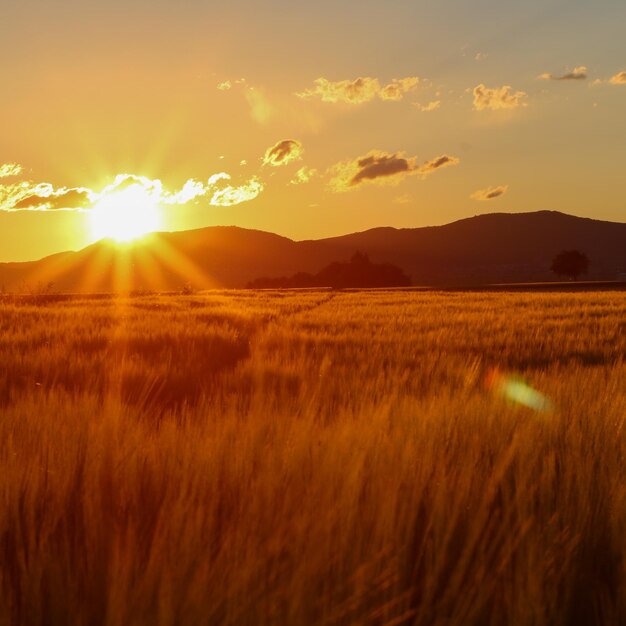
570 263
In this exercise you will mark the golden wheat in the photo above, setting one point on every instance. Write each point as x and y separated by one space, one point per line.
313 458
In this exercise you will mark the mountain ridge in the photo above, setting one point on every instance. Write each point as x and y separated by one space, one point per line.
493 247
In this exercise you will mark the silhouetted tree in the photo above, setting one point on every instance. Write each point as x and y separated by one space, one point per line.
570 263
358 272
361 272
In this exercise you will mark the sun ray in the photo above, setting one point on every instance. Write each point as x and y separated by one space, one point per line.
182 265
122 279
97 268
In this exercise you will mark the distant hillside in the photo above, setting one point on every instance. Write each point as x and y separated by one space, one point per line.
497 247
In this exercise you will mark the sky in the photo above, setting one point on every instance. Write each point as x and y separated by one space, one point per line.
304 119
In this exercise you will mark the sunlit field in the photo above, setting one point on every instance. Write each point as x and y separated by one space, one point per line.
328 458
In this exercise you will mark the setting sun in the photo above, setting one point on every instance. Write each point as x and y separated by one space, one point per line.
125 215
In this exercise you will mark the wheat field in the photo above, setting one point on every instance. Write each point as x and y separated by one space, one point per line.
300 458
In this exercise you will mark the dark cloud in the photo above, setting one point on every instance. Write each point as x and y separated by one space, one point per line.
491 193
382 168
378 166
60 200
283 152
435 164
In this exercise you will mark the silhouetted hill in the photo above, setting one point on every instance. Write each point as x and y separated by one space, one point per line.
498 247
359 271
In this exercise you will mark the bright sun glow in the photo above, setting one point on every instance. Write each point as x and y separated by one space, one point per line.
125 215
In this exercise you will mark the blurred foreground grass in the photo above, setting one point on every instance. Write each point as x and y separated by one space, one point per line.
313 458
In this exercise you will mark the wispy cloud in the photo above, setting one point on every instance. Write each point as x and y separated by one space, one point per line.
359 90
498 98
578 73
396 89
433 105
382 168
303 176
231 195
7 170
491 193
283 152
218 187
618 79
227 85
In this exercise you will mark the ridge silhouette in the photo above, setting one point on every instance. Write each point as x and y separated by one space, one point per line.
498 247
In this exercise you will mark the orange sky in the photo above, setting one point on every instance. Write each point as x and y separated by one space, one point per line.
327 118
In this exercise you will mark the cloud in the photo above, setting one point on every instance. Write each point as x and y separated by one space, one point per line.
229 195
437 163
122 182
480 56
359 90
9 170
218 187
617 79
227 85
497 98
490 193
382 168
303 176
56 200
30 196
427 108
379 165
578 73
396 89
349 91
193 189
283 152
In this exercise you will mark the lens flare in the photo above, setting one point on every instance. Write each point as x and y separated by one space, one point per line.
516 390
